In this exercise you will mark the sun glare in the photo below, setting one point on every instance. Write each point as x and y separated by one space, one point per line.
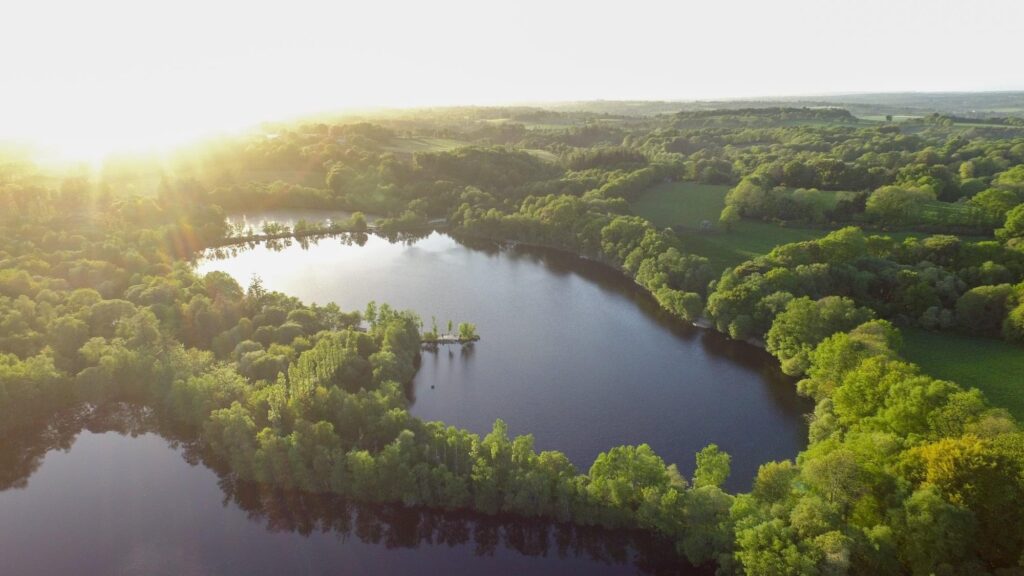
121 76
111 131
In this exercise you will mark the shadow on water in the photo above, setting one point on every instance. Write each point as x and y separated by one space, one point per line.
22 451
396 527
391 527
714 343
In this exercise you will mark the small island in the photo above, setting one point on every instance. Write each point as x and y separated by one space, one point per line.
465 335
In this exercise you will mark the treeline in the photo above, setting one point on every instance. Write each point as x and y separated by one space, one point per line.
905 474
953 164
808 165
272 195
607 157
755 199
754 116
936 283
912 205
588 227
951 119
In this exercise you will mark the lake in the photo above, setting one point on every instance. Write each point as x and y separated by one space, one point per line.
570 351
104 493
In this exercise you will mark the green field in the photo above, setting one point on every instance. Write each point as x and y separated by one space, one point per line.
542 154
413 145
747 240
681 204
940 213
563 125
994 366
684 205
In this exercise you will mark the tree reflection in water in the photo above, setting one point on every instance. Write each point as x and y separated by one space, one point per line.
390 526
400 527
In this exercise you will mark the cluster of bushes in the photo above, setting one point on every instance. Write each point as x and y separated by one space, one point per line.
888 206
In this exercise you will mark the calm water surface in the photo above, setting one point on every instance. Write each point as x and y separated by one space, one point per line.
571 351
117 499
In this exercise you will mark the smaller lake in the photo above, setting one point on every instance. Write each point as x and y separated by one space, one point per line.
128 502
571 351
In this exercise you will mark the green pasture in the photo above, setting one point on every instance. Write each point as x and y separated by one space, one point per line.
993 366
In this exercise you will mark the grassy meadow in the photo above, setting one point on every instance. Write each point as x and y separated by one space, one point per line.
994 366
414 145
684 205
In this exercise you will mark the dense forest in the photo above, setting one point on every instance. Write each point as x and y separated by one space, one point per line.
904 473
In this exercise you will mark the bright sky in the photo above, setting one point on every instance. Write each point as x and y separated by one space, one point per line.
99 75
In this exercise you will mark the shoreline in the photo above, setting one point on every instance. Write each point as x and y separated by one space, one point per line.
702 323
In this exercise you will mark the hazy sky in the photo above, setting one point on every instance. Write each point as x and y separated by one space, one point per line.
102 74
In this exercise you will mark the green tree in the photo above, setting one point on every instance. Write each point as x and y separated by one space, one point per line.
981 310
730 217
712 467
1013 227
934 534
774 481
897 206
467 332
619 476
835 475
995 202
1013 326
357 222
968 471
805 323
707 532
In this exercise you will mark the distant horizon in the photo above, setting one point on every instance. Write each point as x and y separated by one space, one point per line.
116 74
53 151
